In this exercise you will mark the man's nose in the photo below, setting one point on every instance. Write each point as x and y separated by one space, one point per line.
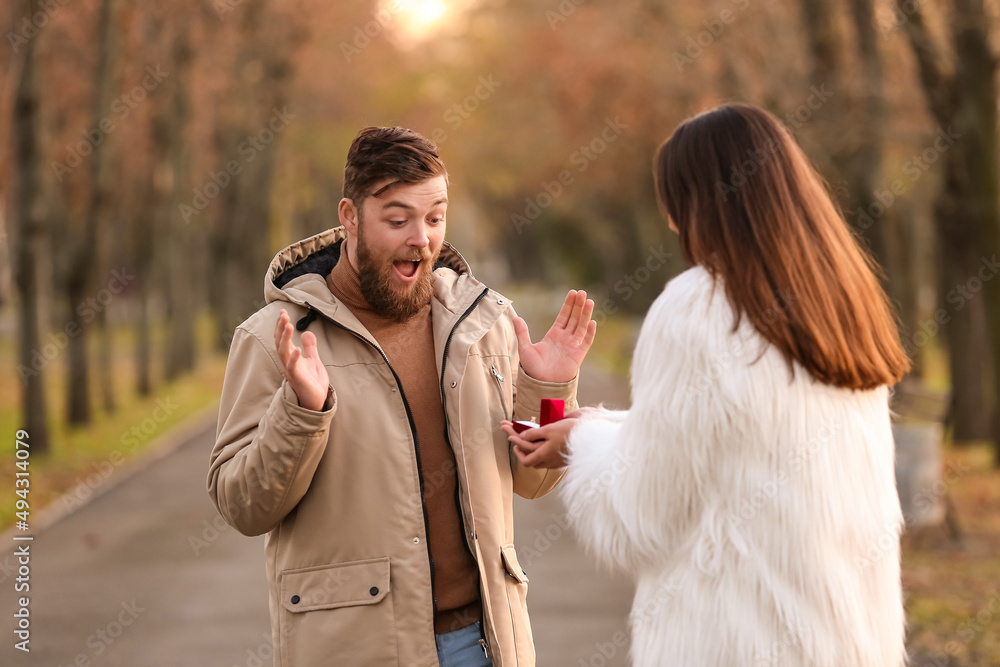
418 238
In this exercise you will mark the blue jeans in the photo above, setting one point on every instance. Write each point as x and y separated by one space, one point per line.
461 648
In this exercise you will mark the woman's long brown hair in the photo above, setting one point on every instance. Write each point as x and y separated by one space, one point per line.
752 210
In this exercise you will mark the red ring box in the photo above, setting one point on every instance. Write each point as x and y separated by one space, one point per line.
553 409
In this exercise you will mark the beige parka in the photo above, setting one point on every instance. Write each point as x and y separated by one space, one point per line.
339 494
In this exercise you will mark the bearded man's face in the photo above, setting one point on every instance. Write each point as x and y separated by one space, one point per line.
400 234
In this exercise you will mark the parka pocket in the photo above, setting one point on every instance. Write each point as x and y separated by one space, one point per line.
500 379
509 555
516 583
498 375
339 613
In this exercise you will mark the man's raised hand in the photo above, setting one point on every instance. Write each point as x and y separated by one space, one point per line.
558 356
305 370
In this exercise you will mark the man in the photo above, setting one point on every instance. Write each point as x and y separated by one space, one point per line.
372 456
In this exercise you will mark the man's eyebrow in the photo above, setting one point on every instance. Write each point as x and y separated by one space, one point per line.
398 204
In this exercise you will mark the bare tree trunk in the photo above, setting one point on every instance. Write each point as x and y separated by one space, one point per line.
100 205
83 258
918 267
150 236
143 344
865 166
106 360
853 125
253 210
820 27
518 241
28 217
242 229
975 75
78 379
6 276
968 212
220 248
136 213
141 253
181 298
965 331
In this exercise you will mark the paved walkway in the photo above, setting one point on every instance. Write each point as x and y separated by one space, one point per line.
147 575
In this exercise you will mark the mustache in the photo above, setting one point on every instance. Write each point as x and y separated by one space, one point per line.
419 257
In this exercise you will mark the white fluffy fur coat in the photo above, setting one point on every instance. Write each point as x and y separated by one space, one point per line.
757 512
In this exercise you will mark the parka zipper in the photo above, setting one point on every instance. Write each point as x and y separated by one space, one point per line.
447 438
444 361
416 442
447 344
503 396
444 400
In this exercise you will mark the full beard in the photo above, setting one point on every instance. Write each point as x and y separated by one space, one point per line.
377 283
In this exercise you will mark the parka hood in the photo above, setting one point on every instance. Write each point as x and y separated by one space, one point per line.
318 254
297 275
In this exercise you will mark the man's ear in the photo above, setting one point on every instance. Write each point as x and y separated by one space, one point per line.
348 214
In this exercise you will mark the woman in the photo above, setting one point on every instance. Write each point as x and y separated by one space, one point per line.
750 488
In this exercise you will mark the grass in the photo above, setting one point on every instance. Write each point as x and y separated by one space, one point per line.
81 459
953 590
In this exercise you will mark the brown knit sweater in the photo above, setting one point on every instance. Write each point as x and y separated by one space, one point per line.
409 346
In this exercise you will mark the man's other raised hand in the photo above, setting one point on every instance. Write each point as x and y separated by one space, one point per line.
558 356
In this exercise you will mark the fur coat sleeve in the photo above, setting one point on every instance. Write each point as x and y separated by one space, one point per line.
636 478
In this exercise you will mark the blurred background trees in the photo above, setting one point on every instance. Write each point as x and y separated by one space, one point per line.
158 155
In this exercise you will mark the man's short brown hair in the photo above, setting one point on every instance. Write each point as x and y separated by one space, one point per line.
396 153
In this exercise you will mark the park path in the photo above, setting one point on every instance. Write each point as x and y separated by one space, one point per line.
145 575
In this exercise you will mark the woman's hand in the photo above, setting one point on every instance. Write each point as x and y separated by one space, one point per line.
542 447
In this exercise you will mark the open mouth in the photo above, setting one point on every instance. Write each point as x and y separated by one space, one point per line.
407 269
